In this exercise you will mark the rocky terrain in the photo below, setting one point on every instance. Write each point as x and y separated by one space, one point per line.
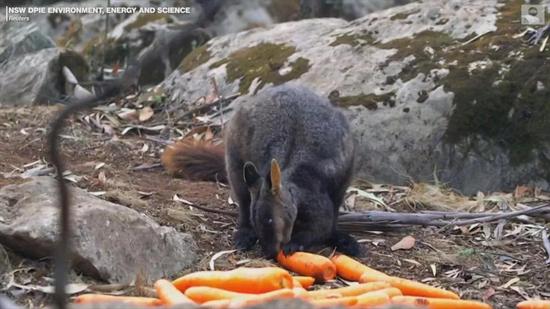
447 101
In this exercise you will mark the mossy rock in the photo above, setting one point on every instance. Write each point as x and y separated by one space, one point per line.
369 101
423 61
195 58
262 62
115 52
512 112
353 39
403 15
72 35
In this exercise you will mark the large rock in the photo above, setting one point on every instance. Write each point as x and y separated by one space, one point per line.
427 97
110 241
21 40
36 78
239 15
31 66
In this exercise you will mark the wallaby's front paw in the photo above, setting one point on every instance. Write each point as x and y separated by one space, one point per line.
245 239
292 247
346 244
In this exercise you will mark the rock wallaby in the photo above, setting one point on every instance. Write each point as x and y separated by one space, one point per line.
288 156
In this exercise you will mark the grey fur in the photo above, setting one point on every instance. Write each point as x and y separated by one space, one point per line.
312 143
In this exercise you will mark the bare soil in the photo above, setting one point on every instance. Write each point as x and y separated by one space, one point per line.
499 272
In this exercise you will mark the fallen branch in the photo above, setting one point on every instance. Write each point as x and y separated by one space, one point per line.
434 218
359 222
383 220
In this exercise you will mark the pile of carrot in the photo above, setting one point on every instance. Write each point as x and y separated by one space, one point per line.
243 287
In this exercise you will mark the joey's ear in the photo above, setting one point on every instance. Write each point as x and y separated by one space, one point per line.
250 174
275 175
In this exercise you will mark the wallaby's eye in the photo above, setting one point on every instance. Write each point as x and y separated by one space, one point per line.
270 221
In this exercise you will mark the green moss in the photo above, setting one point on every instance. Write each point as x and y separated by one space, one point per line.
195 58
467 252
72 35
423 61
144 19
262 62
514 113
403 15
370 101
115 52
353 39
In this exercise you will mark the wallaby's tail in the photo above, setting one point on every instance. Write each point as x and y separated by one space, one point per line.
195 160
345 243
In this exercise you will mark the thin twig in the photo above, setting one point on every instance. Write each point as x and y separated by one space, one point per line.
217 211
205 107
219 98
146 167
475 38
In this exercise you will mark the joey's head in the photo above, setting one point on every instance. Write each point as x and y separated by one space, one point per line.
272 209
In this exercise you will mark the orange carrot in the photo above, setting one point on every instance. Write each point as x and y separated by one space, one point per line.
534 304
208 296
413 288
391 292
245 280
329 302
101 298
202 294
352 290
217 304
324 294
352 270
439 303
169 295
308 264
261 298
371 299
305 281
299 291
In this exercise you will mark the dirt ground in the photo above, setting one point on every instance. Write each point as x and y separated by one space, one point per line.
465 260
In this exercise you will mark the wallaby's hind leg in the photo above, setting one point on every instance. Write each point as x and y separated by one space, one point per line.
245 237
345 243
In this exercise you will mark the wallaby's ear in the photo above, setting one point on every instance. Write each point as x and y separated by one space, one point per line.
250 174
275 175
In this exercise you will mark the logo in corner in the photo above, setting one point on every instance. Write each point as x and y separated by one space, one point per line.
533 15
